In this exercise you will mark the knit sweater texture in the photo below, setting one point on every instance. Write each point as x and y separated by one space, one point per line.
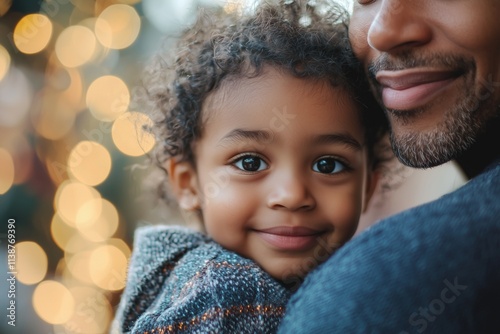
181 281
432 269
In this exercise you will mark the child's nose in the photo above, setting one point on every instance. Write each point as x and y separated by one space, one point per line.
290 192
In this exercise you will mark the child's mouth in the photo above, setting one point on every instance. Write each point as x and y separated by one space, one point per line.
290 238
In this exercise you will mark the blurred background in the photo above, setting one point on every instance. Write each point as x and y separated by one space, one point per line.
72 156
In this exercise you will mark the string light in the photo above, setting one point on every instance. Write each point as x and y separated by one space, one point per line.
130 134
118 26
75 46
108 97
65 121
32 262
53 302
4 62
32 33
89 163
6 171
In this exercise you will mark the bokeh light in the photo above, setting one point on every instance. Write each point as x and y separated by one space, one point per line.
6 171
75 46
102 54
52 115
32 33
118 26
4 62
61 232
76 244
121 245
130 135
93 314
67 73
79 264
4 6
89 162
70 197
31 262
97 220
53 302
108 97
108 267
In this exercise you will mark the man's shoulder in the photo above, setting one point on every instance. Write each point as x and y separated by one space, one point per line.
476 201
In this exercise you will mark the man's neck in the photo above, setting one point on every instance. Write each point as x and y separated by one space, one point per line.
483 152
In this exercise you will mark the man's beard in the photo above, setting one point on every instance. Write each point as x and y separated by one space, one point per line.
444 142
461 121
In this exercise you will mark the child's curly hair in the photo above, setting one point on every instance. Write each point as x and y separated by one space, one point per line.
307 39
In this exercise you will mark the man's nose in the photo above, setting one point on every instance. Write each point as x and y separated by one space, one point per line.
290 191
398 24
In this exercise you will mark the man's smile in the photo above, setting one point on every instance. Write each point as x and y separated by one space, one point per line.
413 88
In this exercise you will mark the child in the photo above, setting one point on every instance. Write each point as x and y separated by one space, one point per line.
264 136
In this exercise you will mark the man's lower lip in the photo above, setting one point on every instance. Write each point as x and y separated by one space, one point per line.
413 97
289 242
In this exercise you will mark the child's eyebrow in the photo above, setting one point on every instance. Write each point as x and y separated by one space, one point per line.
243 134
336 138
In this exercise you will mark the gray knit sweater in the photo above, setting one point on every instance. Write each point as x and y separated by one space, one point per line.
180 281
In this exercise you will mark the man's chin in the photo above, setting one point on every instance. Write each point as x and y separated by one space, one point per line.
422 152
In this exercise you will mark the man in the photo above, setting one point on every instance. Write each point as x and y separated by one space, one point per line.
435 67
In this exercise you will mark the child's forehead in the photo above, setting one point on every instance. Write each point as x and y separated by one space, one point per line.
280 101
237 90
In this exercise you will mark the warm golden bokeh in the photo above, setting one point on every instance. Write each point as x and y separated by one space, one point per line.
121 245
53 302
130 134
89 163
108 97
69 143
32 33
52 115
4 6
103 223
118 26
31 262
61 232
94 311
6 171
4 62
108 267
78 265
70 197
75 46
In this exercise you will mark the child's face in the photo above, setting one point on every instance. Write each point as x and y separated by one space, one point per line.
281 171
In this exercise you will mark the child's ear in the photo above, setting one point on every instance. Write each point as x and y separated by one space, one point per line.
183 182
371 184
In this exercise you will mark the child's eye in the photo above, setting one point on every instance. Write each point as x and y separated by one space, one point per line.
328 165
250 163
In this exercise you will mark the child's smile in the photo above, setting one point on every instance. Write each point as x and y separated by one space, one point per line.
281 170
291 238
